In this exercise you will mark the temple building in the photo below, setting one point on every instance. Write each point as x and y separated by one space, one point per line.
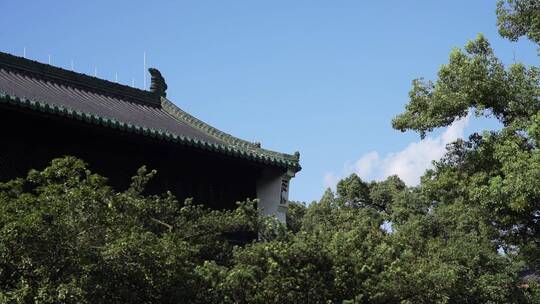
48 112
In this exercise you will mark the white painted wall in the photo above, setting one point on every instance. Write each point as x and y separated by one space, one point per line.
273 193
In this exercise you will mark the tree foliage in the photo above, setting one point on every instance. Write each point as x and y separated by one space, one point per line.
495 173
517 18
65 236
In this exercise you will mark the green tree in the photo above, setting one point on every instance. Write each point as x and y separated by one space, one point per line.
66 237
493 175
295 216
518 18
353 191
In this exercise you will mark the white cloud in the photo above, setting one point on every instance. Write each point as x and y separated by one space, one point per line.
330 179
366 165
409 164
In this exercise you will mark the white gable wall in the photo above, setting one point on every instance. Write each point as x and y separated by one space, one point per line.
273 193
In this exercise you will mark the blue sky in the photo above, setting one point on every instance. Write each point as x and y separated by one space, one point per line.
321 77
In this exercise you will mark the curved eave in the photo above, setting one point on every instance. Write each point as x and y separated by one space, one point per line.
219 135
148 132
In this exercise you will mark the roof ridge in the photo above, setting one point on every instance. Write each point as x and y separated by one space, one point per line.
72 78
184 116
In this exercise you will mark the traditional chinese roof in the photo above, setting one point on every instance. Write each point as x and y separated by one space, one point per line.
44 88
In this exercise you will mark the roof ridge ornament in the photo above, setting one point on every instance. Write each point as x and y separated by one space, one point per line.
157 84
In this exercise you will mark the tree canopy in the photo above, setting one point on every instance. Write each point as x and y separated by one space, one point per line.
496 172
65 236
517 18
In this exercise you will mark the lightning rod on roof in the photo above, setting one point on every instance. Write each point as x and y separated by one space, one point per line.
116 77
95 72
49 59
133 82
24 52
144 70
